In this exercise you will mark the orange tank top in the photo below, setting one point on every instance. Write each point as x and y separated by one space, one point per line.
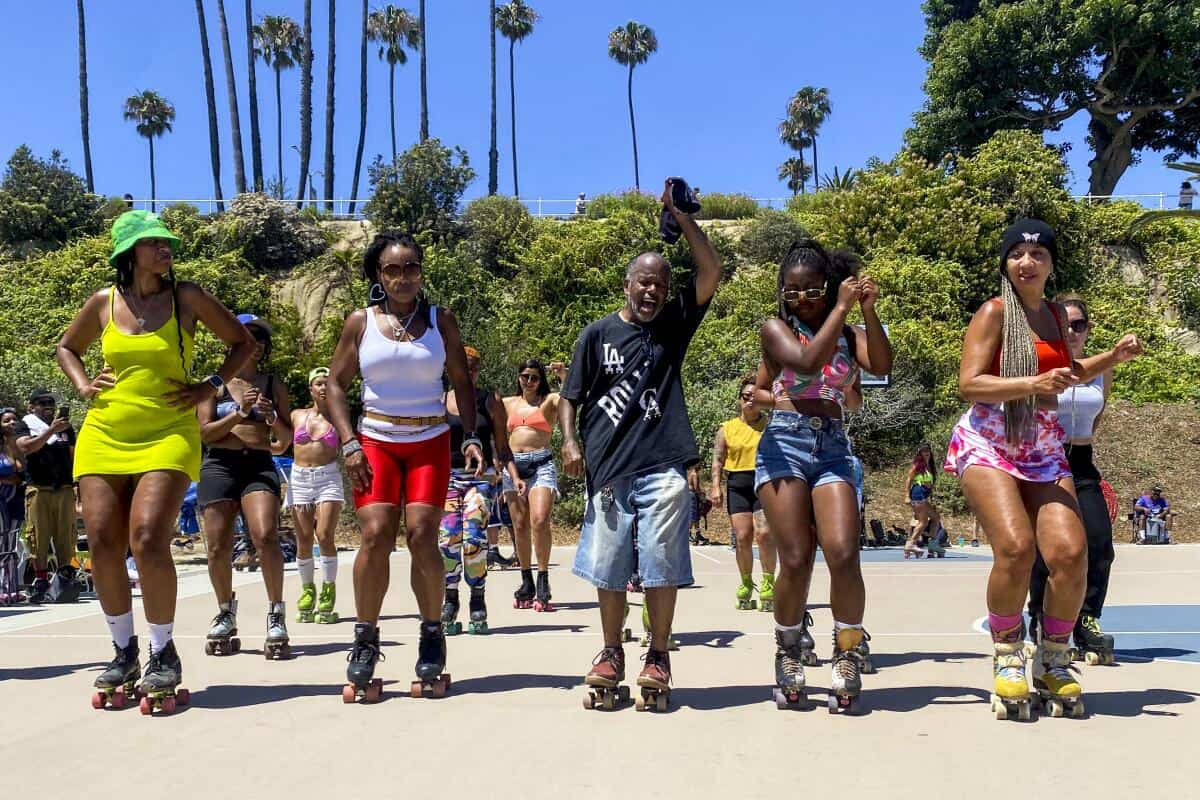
1050 355
534 419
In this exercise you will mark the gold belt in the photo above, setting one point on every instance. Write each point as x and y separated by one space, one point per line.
415 422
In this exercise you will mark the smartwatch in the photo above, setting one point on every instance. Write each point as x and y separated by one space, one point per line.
215 381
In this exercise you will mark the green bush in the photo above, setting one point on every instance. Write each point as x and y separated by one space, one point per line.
603 206
496 230
43 204
270 234
766 240
420 190
727 206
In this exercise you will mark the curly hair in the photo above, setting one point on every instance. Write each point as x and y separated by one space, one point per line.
835 266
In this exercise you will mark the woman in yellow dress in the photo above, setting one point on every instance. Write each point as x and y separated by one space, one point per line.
139 446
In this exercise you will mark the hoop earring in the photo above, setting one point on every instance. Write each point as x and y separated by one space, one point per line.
374 296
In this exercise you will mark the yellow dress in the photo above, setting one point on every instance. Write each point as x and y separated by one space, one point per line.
130 428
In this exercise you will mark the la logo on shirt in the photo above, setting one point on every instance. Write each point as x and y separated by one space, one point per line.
613 362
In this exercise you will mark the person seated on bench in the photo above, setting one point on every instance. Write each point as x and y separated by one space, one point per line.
1152 514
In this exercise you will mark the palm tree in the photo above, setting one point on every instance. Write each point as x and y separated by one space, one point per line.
362 106
807 111
328 172
255 133
493 154
83 97
515 21
630 46
794 133
394 28
235 120
795 172
153 115
214 136
277 43
306 58
844 182
424 84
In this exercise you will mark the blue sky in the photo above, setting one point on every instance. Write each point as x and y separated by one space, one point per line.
707 103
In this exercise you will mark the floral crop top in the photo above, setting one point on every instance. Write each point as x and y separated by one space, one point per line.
830 383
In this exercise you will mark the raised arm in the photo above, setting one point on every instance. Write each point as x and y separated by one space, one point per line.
708 262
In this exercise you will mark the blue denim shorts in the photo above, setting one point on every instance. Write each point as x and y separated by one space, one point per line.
658 505
537 469
813 449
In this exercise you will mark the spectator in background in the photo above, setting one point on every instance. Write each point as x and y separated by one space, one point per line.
581 204
128 198
1152 506
1186 195
47 442
12 478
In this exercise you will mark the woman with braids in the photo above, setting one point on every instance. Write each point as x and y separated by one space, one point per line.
399 464
1007 451
804 470
139 447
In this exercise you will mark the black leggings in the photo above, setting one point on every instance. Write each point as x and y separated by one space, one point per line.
1096 525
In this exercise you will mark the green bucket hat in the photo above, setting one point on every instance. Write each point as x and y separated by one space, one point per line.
133 226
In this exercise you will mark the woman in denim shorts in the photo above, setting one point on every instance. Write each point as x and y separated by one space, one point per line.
804 472
532 415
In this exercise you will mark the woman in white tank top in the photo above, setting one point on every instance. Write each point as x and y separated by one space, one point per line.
400 460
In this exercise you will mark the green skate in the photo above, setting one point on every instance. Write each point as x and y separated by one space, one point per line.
306 603
325 613
673 643
745 594
766 593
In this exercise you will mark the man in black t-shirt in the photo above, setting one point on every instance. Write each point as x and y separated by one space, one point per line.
624 389
48 444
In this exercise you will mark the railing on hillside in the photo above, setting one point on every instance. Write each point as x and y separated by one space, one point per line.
566 209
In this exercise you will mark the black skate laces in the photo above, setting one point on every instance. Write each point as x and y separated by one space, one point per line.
224 615
365 651
615 655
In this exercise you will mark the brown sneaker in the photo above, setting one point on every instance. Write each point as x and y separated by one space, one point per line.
608 668
657 672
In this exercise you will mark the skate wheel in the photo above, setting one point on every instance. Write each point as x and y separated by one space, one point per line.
640 703
415 689
660 703
168 705
1077 710
349 693
780 700
98 700
1054 708
868 668
118 699
832 703
623 693
608 701
374 692
235 645
146 706
999 709
1024 712
589 701
183 697
210 648
439 688
1091 659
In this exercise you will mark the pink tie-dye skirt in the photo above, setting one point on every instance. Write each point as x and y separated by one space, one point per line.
978 439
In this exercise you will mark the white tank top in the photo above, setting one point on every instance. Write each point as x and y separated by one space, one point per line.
401 379
1079 406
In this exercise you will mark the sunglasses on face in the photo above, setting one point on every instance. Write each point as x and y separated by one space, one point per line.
1078 325
748 397
45 401
528 377
407 268
792 295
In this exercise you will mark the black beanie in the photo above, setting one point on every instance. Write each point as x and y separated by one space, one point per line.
1028 230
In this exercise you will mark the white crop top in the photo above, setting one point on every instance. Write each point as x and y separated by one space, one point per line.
1079 406
401 379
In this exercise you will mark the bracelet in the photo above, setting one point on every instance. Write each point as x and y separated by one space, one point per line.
468 441
350 448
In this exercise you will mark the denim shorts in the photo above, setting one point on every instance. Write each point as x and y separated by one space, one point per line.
813 449
655 504
537 469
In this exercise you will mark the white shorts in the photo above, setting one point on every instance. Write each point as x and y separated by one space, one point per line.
311 486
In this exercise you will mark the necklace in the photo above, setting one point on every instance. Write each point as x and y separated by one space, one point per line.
138 316
399 332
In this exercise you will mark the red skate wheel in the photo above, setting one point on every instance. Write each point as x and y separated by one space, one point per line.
374 692
168 705
348 693
446 679
416 689
118 699
183 696
439 688
146 706
98 700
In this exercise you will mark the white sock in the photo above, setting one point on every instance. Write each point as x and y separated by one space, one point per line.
837 626
305 566
160 635
121 628
329 569
796 627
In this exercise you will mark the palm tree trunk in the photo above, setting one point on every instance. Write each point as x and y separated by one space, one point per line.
362 109
278 135
328 175
83 98
493 155
214 135
512 102
633 128
306 59
153 193
816 173
392 106
255 132
235 120
424 84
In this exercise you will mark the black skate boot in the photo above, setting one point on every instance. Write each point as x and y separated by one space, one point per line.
118 683
790 689
809 655
160 683
360 673
1092 645
496 560
542 601
478 623
431 660
1031 645
523 596
450 623
864 654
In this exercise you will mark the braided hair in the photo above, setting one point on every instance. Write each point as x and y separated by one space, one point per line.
1018 359
125 265
370 266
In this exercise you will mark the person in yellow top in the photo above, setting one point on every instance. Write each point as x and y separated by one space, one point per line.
139 446
734 449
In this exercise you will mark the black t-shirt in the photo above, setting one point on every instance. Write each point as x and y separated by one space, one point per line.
52 465
625 381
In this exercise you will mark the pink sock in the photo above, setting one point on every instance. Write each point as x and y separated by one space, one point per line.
1005 627
1058 630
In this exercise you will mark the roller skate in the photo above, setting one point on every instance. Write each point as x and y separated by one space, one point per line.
1092 645
789 691
118 683
934 546
808 655
626 633
912 550
222 639
654 681
846 684
864 654
766 593
497 561
325 603
160 685
450 624
672 644
603 681
1056 687
523 596
360 675
478 625
306 605
431 660
276 646
1010 695
542 601
745 594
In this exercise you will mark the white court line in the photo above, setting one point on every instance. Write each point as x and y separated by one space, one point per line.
702 554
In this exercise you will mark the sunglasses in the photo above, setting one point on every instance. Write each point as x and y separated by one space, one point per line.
792 295
408 267
748 397
45 401
1078 325
524 376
